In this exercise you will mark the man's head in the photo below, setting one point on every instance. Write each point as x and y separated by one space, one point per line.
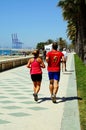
54 46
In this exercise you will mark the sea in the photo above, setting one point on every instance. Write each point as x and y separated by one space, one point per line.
8 51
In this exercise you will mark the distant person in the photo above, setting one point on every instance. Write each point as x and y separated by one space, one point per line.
44 55
65 59
35 64
53 58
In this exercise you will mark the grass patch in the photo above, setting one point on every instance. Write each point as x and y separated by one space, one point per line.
80 68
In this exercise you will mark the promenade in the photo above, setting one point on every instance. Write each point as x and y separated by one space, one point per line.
18 110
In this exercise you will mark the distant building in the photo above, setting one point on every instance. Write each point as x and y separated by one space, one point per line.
16 44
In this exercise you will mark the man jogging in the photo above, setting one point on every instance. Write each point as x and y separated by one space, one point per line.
53 58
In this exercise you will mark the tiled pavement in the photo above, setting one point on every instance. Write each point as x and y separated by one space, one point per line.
18 110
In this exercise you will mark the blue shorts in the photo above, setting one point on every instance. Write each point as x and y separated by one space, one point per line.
54 75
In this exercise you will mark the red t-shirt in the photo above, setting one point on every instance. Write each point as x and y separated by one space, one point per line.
54 60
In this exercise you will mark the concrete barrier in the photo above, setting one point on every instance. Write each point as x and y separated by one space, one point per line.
13 62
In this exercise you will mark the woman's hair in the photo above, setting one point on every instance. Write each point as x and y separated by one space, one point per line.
35 53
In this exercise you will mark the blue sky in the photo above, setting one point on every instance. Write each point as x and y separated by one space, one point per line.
34 21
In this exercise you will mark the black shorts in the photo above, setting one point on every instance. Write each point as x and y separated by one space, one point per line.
36 77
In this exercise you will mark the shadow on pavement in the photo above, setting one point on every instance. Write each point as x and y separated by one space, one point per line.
62 99
43 99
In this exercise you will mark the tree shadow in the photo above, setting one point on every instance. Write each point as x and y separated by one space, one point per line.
68 72
60 99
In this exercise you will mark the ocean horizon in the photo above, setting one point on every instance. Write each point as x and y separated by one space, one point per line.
5 51
8 51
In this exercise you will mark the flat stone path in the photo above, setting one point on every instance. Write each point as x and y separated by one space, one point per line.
18 110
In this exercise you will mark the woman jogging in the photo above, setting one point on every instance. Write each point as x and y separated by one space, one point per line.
36 64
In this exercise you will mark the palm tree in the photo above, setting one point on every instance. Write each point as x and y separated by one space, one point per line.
71 31
74 12
61 43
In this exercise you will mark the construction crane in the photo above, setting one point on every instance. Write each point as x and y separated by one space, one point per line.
16 44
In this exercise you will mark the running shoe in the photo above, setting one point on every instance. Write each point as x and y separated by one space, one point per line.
53 98
35 96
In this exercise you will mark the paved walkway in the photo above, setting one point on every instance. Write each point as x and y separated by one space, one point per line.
18 110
